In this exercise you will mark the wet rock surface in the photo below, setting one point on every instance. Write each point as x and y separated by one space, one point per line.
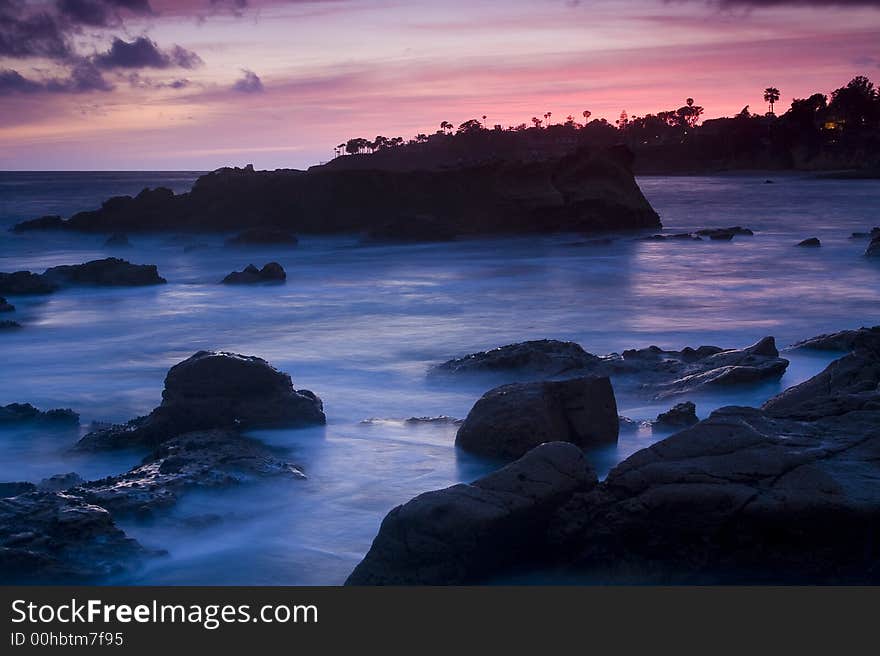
270 273
843 340
110 271
216 390
465 533
510 420
681 415
658 372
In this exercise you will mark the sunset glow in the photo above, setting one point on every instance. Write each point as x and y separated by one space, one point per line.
279 84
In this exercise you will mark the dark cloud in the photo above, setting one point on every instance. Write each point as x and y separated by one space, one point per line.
137 81
83 78
250 82
144 53
101 13
757 4
25 32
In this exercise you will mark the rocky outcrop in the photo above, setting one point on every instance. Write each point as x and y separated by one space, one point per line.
25 282
25 412
843 341
214 458
545 357
60 482
14 489
590 190
5 306
787 493
107 272
509 421
48 222
724 234
271 273
465 533
679 416
216 390
812 242
656 371
56 537
262 237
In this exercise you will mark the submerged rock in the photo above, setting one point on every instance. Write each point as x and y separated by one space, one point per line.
545 357
6 307
25 282
465 533
262 237
271 272
110 271
812 242
873 249
216 390
9 325
681 415
25 412
724 234
215 458
510 420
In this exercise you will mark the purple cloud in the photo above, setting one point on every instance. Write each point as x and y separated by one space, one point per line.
250 82
144 53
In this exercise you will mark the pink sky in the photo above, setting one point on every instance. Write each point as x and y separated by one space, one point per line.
321 72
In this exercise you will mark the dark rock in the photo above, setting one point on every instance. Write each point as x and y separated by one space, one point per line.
6 307
678 236
25 412
812 242
262 237
845 340
110 271
725 233
117 240
510 420
25 282
441 419
875 232
60 482
49 222
9 325
271 272
590 190
661 372
604 241
465 533
199 460
681 415
14 489
545 357
420 228
873 249
847 385
216 390
54 537
628 425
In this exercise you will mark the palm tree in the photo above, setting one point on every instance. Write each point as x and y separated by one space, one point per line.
771 95
547 116
587 114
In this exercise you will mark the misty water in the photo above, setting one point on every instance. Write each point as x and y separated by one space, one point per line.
361 324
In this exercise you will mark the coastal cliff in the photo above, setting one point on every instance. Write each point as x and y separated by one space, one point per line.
589 190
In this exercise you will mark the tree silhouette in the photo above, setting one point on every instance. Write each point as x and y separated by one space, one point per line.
537 121
587 115
547 116
771 95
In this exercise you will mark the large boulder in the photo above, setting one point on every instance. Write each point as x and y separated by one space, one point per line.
25 282
680 415
110 271
509 421
465 533
217 390
271 273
